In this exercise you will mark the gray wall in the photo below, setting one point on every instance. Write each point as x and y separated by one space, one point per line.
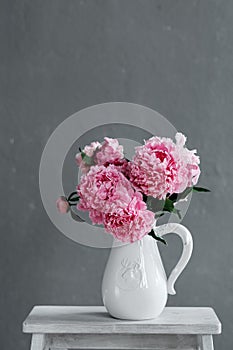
58 57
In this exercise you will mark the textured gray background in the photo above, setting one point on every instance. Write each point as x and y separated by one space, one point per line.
58 57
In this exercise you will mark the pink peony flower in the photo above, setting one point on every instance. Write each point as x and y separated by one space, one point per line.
96 216
129 223
89 151
62 205
188 162
160 167
109 152
111 200
153 169
121 165
102 188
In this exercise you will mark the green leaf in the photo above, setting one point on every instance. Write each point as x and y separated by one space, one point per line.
88 160
157 238
160 239
168 205
144 196
200 189
74 199
72 195
175 197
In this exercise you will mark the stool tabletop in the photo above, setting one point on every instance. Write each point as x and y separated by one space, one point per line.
96 320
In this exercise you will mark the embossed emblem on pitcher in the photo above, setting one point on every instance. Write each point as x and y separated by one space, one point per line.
130 274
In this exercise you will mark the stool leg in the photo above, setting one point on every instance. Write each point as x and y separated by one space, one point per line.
205 342
38 342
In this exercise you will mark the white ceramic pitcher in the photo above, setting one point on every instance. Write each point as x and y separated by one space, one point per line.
135 285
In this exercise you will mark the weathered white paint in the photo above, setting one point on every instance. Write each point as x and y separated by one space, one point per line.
91 327
124 341
38 342
205 342
95 320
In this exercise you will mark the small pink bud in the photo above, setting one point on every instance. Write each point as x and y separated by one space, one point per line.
62 205
78 158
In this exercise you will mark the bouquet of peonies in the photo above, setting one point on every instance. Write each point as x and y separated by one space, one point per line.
127 197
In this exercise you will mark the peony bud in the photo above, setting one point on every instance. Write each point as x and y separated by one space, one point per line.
62 205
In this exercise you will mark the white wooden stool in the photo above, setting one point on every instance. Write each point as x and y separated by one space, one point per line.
91 327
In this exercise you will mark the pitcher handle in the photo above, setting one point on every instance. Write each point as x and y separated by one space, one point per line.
187 240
